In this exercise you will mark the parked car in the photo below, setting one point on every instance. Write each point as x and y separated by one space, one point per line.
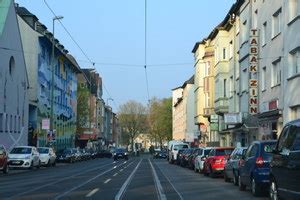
24 157
255 166
179 156
173 151
160 153
104 154
66 155
200 158
285 164
47 156
215 161
3 160
231 168
120 153
192 156
185 157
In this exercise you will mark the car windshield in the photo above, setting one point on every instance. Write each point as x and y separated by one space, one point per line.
223 152
43 150
21 150
206 151
181 146
120 150
267 150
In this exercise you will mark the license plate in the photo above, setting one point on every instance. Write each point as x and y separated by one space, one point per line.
16 162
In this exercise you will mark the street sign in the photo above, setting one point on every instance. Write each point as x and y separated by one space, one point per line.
214 126
45 124
214 118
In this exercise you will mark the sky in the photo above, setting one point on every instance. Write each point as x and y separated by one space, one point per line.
111 34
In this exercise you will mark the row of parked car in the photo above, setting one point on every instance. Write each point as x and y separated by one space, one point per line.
268 166
28 157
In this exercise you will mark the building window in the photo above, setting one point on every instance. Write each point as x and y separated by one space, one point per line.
264 34
207 100
293 9
224 53
230 49
15 124
231 86
1 122
224 88
275 73
244 80
244 31
295 112
276 25
12 65
294 61
263 78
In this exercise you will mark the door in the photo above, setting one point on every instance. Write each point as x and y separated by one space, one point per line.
249 163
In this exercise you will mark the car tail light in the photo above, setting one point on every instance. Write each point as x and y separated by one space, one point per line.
259 162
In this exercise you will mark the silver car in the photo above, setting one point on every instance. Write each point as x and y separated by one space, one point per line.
199 160
24 157
47 156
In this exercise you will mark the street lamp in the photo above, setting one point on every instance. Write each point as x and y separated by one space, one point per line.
52 73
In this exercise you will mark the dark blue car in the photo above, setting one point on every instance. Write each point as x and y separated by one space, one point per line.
255 167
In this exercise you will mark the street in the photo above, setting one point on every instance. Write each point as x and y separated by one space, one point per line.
138 178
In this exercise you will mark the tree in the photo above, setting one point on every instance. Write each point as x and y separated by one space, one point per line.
133 120
160 119
83 110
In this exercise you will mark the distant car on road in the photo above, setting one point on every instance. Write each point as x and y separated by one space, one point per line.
255 166
120 153
160 153
47 156
3 160
174 148
24 157
66 155
285 164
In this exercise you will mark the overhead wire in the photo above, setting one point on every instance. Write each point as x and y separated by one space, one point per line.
82 51
145 51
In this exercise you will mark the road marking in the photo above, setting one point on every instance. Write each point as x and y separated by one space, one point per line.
121 170
60 180
170 183
159 188
115 174
84 183
115 167
91 193
114 162
125 162
107 181
126 183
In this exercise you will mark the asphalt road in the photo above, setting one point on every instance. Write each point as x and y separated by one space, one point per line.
138 178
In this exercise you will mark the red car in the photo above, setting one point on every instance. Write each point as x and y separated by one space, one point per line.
215 161
3 159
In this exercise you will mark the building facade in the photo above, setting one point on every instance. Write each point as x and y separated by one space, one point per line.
42 66
13 80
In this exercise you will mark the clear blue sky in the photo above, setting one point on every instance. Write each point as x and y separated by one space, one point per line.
111 32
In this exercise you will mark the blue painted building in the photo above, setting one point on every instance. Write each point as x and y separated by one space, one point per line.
37 41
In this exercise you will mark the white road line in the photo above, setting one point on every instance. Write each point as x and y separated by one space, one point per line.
121 170
82 184
126 183
115 174
159 188
57 181
91 193
107 181
115 167
170 183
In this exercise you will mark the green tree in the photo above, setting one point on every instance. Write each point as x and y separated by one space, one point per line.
83 110
133 120
160 119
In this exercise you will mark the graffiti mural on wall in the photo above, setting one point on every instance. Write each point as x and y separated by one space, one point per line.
65 97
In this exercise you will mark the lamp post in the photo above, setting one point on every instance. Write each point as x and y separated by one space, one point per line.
52 74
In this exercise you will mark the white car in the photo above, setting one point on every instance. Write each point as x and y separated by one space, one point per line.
199 160
173 151
47 156
24 157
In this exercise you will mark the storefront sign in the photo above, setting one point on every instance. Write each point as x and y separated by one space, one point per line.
45 124
214 118
273 105
253 69
232 118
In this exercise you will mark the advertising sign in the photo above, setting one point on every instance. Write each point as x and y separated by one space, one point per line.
232 118
45 124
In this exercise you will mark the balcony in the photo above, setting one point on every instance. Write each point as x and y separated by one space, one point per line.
221 105
207 112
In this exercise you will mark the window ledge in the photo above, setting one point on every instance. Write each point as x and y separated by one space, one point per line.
264 90
264 45
293 77
293 20
275 36
278 84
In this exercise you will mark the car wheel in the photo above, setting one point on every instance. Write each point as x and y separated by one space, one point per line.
273 194
211 173
6 169
48 163
31 165
54 164
242 187
255 188
195 169
226 179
